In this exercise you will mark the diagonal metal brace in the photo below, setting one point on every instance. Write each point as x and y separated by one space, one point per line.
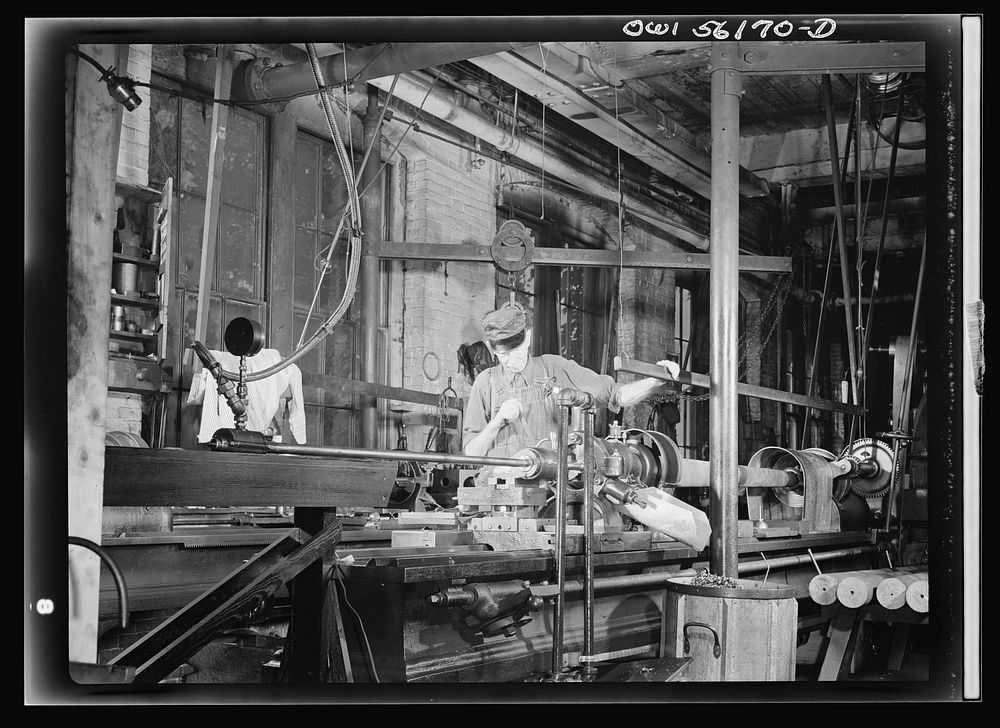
233 602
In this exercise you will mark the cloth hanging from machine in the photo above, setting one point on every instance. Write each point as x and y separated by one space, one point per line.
263 396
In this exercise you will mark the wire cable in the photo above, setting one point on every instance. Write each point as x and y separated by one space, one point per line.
361 624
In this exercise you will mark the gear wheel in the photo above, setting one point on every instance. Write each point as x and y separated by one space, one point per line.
871 449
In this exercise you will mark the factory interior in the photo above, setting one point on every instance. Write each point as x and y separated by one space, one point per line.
298 276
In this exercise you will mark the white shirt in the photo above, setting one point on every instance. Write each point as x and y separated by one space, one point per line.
263 396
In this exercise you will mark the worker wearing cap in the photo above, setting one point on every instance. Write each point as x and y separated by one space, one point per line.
510 407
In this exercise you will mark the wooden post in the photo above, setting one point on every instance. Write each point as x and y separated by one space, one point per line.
96 119
213 195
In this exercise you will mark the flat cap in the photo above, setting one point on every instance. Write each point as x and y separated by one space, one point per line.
504 328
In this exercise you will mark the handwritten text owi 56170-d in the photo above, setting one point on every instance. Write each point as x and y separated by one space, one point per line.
746 29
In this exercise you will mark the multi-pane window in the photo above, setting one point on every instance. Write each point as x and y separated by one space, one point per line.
180 147
320 200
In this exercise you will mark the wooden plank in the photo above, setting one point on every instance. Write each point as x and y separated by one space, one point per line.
340 385
164 277
900 643
213 195
96 123
645 369
578 257
221 607
281 221
174 477
843 638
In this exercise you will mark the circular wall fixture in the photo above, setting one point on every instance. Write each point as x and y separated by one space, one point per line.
431 366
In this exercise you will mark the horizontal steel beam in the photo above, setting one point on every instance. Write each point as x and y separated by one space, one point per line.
645 369
815 58
447 252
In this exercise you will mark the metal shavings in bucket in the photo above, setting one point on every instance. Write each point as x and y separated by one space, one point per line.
704 578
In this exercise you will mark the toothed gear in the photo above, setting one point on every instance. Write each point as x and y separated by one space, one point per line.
866 449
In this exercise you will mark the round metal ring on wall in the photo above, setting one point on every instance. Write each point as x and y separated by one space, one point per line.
512 248
431 366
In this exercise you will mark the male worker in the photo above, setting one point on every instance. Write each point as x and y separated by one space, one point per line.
510 407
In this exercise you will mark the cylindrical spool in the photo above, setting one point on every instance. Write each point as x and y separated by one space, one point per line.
823 588
917 596
891 593
812 469
856 591
125 277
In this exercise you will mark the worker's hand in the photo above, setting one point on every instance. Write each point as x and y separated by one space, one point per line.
509 410
672 367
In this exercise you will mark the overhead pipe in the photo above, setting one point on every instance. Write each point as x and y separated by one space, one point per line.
258 80
443 106
723 443
371 223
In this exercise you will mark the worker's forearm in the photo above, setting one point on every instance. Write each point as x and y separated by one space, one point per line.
479 445
635 392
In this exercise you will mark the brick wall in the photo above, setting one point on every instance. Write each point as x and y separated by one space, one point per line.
646 319
133 151
124 413
447 201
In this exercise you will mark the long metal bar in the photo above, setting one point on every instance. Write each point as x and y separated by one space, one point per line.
866 342
588 521
748 390
815 58
902 416
811 383
659 578
859 217
579 257
371 223
841 237
562 476
727 85
364 453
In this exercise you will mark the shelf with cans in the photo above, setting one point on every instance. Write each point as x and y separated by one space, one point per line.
137 279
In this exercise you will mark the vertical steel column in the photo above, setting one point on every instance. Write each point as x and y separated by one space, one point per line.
562 476
727 85
588 522
371 223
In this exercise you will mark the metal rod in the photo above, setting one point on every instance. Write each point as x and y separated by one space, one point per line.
588 521
882 231
748 390
902 418
659 578
727 83
841 241
371 223
562 476
859 216
811 383
367 454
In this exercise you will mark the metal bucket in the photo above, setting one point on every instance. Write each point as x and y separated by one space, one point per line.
732 634
125 278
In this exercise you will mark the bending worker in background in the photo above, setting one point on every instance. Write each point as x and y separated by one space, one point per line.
510 407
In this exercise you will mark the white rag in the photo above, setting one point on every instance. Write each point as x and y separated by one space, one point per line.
263 396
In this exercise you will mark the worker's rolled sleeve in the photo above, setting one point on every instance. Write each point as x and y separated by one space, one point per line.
570 374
